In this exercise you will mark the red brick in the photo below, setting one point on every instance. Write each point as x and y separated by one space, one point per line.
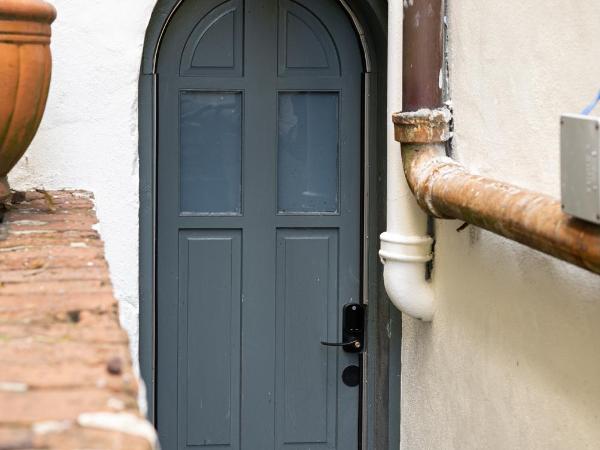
62 350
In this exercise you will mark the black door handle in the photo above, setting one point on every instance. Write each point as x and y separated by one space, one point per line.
355 343
353 329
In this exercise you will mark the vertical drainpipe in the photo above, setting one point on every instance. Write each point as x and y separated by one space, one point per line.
415 37
422 55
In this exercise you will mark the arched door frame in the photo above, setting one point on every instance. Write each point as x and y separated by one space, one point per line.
380 420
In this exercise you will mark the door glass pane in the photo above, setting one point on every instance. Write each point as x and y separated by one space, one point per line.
211 152
308 152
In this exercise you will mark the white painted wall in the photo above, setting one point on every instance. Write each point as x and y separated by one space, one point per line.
511 359
88 138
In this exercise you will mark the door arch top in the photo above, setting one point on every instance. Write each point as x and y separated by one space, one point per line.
165 10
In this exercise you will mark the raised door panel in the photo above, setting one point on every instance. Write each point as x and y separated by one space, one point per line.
209 339
306 46
306 311
215 47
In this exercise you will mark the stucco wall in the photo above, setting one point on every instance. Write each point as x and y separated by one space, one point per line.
511 360
88 137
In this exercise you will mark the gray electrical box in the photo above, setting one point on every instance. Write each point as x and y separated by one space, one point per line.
580 166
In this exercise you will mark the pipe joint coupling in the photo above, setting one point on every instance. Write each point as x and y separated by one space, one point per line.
425 126
407 249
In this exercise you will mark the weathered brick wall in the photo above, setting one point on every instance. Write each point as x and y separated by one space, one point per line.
66 379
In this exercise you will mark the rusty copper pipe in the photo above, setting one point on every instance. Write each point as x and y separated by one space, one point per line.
445 189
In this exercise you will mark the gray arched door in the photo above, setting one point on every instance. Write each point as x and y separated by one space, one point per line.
258 225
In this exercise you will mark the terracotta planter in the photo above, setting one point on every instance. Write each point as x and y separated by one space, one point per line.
25 67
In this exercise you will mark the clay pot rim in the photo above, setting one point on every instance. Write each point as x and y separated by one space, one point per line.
36 10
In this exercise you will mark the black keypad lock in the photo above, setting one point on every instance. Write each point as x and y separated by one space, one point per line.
353 329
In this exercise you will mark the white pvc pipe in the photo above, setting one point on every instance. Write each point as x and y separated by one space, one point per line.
405 246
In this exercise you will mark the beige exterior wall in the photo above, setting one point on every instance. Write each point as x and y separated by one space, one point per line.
512 357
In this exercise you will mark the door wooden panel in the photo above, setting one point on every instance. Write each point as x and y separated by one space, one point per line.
215 46
209 327
307 293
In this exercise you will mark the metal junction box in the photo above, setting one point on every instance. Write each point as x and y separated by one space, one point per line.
580 166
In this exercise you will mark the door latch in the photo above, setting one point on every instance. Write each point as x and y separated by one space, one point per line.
353 329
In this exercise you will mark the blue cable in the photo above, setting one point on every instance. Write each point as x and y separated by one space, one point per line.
589 108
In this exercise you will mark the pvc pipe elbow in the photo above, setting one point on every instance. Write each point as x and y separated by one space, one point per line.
404 259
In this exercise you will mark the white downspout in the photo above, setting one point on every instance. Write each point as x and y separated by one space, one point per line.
405 246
